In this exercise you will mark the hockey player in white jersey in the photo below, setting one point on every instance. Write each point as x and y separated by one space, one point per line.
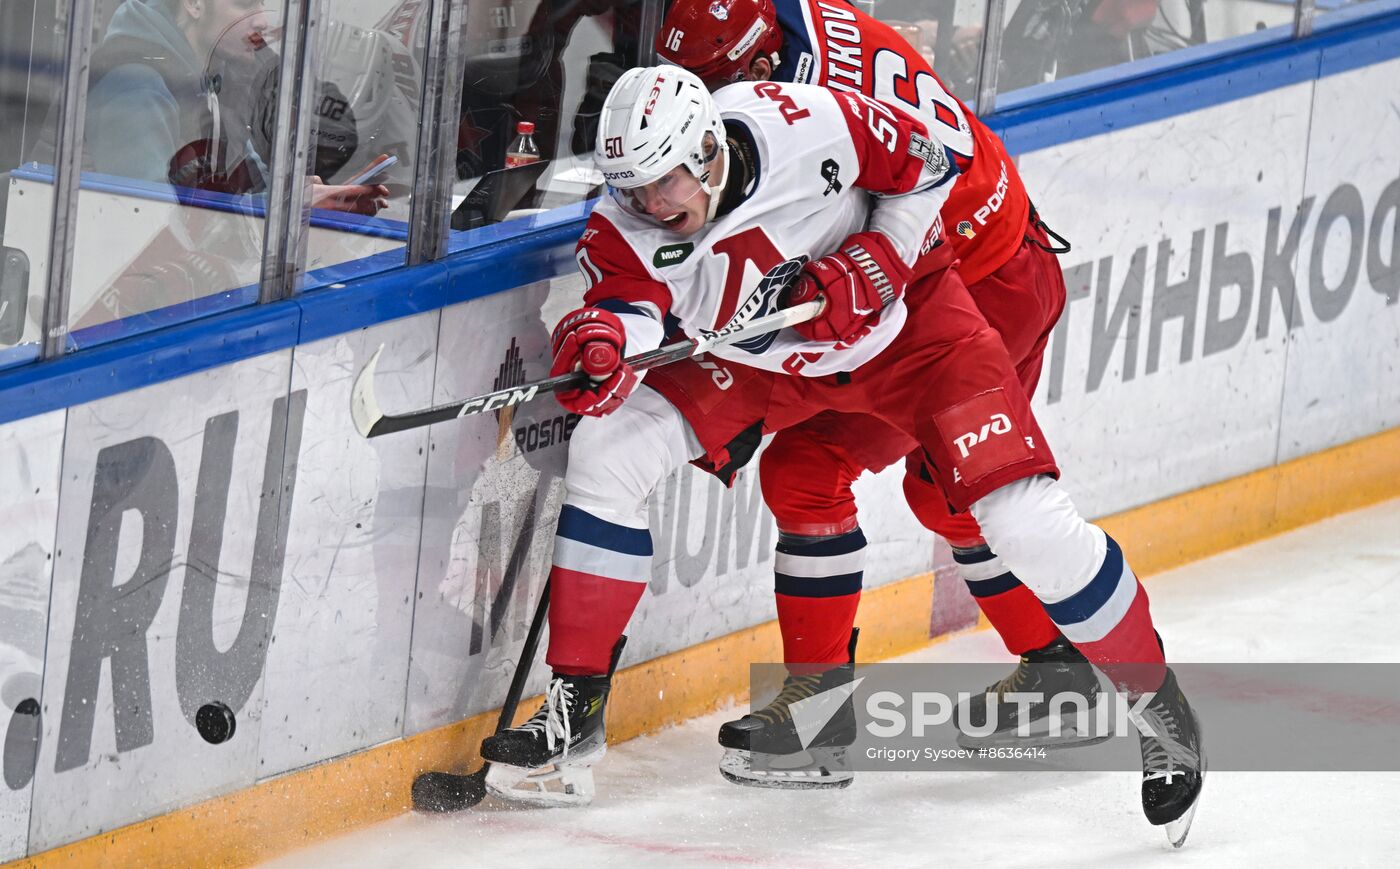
715 203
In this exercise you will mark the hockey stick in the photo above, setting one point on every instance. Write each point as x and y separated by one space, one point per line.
371 421
449 792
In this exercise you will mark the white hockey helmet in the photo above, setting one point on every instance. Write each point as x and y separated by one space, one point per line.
655 119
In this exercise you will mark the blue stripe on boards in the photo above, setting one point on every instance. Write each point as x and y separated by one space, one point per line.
1188 80
1091 598
584 527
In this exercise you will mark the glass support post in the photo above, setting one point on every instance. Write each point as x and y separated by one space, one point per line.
653 12
1303 15
68 167
285 230
441 101
990 60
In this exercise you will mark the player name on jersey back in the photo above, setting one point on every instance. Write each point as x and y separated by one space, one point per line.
828 42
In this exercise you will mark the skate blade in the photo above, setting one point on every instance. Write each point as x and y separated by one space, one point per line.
568 784
818 769
1038 737
1177 830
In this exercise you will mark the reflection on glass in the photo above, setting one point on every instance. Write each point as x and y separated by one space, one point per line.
948 33
1049 40
179 135
31 80
1343 9
181 97
370 78
544 63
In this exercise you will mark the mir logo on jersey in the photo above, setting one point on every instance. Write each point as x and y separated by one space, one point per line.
671 254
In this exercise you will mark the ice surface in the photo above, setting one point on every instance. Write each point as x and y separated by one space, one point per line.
1327 592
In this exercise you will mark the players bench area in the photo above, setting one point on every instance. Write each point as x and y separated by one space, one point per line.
230 619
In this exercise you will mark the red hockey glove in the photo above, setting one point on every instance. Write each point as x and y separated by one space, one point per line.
592 340
859 281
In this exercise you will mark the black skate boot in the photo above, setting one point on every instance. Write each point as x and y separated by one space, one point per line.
1058 668
765 749
1173 761
548 760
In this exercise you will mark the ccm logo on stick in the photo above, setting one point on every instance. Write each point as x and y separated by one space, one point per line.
499 400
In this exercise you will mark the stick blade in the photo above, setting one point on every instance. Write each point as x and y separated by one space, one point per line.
364 406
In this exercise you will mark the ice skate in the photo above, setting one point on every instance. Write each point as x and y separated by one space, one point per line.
766 749
548 760
1058 668
1173 762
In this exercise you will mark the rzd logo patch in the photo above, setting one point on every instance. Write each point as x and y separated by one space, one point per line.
981 436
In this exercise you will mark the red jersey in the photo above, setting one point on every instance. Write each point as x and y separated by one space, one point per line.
830 43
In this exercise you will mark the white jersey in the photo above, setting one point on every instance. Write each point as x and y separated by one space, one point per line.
819 157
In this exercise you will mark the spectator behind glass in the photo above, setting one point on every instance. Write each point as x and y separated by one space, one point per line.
514 71
177 87
953 51
1048 40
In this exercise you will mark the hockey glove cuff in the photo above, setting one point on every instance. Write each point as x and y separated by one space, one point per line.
859 281
592 340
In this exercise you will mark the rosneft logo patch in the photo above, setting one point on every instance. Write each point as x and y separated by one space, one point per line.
965 229
671 254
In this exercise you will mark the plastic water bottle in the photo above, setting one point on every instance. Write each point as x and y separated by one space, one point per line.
523 150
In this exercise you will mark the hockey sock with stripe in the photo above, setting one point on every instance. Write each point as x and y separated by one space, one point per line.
817 584
1013 610
600 570
1110 622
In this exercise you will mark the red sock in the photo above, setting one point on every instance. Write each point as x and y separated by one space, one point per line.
587 609
817 584
816 630
1110 622
587 614
1013 610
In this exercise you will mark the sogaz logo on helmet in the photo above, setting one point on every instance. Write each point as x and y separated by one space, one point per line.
671 254
618 176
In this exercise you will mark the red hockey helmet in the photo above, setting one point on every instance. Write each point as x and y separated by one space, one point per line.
719 39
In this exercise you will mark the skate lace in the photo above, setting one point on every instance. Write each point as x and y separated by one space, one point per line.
553 718
795 688
1164 756
1019 678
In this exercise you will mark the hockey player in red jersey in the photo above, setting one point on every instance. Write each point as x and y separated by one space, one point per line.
1009 265
715 202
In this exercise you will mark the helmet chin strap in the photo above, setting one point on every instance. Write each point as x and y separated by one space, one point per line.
716 190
